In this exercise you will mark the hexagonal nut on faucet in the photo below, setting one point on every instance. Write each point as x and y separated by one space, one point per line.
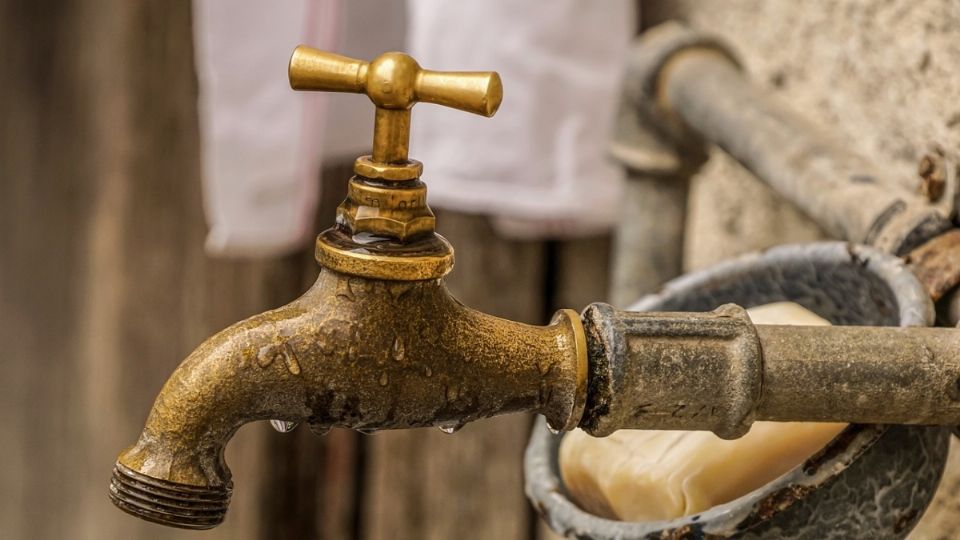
398 212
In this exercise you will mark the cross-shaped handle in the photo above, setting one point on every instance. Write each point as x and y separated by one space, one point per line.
394 82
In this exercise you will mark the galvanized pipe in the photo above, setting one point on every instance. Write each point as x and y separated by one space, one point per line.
717 371
643 261
874 375
689 88
838 188
654 198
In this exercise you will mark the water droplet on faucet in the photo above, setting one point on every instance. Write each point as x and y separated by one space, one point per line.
553 430
398 349
319 429
450 427
284 426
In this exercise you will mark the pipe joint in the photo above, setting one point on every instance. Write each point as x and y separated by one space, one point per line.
697 371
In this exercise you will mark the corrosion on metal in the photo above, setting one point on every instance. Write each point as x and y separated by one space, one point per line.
700 371
936 263
932 170
704 371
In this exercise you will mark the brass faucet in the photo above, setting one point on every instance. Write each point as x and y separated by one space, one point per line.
377 343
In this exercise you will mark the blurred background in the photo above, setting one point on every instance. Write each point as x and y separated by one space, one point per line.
105 282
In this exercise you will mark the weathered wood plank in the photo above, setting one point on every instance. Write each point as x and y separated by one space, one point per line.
104 286
582 272
103 232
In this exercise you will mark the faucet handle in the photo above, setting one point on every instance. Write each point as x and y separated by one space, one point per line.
312 69
385 229
394 82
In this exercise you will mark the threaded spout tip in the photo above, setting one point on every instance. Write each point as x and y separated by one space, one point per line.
168 503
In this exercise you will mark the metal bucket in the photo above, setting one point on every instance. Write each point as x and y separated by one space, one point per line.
871 481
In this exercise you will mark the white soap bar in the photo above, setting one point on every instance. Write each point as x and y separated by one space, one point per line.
635 475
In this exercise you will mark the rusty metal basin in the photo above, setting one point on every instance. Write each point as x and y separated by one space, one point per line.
871 481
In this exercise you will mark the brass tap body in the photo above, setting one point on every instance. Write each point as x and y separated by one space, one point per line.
351 352
377 343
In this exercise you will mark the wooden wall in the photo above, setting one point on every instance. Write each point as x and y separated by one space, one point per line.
104 288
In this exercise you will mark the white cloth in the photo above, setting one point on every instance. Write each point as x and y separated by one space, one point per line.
260 140
540 164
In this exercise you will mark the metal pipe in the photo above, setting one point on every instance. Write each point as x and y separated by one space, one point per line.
867 375
642 261
717 371
838 188
654 199
689 89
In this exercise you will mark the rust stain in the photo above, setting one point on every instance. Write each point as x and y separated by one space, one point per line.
687 532
933 176
937 263
774 503
839 445
904 521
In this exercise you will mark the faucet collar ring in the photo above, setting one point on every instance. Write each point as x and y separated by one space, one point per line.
581 368
430 257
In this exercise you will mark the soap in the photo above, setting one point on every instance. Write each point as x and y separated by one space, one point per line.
638 475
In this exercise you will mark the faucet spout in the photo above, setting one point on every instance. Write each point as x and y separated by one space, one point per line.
352 352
